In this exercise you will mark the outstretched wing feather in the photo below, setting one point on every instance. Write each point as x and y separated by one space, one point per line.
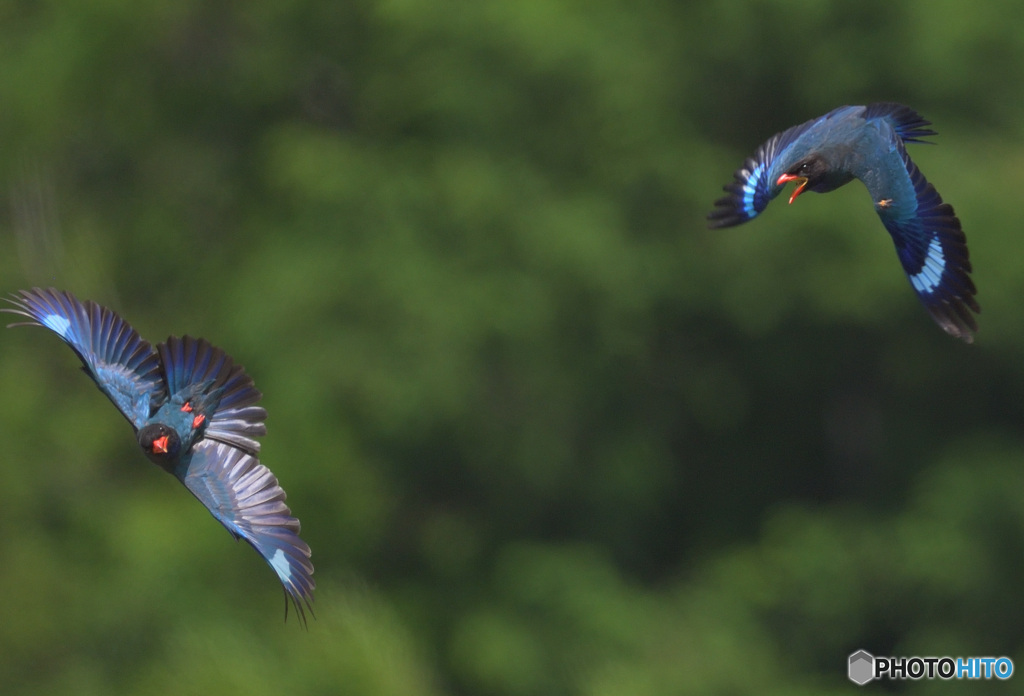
245 497
122 364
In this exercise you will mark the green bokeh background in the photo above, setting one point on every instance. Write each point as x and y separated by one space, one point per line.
546 433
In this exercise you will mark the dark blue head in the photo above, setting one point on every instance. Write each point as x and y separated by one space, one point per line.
812 174
161 444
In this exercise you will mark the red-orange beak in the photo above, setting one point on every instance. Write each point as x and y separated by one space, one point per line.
786 178
160 445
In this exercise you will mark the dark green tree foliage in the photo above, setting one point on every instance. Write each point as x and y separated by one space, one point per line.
545 432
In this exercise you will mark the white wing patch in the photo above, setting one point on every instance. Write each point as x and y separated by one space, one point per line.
57 324
749 189
930 275
280 563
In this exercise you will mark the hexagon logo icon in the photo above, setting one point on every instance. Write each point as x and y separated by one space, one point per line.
861 667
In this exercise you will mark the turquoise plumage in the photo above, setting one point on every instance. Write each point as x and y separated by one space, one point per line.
868 143
194 414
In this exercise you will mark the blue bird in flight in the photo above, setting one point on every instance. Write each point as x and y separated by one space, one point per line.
193 411
868 143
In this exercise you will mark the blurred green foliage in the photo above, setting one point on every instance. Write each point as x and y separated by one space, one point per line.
545 432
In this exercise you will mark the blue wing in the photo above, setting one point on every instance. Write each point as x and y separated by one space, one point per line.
245 497
755 182
123 365
931 247
234 419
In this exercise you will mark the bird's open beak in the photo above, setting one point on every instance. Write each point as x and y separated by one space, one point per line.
786 178
160 445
